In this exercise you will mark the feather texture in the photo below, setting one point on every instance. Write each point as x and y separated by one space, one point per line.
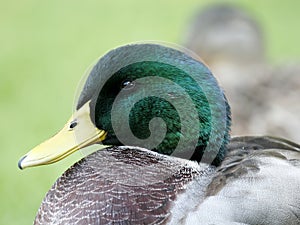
257 183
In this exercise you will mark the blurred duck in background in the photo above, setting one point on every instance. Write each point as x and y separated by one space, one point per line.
264 98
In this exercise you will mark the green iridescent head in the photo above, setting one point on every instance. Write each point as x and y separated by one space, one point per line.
155 97
159 98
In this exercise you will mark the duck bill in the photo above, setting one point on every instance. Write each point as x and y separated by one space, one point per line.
79 132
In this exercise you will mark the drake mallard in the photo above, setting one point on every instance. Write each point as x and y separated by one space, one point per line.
162 124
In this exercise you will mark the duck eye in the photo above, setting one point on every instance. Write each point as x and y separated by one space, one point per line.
73 124
127 84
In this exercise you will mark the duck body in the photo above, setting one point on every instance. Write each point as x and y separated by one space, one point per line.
257 183
183 167
132 186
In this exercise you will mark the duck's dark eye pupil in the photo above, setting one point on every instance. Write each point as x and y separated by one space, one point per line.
128 84
73 124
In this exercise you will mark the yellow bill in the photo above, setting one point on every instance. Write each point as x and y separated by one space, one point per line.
79 132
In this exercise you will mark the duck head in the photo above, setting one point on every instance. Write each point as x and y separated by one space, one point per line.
145 95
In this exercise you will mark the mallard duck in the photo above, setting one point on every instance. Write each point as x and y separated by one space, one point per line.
162 125
231 41
225 32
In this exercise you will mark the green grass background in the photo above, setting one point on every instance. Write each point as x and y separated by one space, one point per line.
45 48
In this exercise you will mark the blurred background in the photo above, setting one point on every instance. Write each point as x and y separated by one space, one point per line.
46 47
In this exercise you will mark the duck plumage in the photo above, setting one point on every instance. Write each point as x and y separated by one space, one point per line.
247 180
257 183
